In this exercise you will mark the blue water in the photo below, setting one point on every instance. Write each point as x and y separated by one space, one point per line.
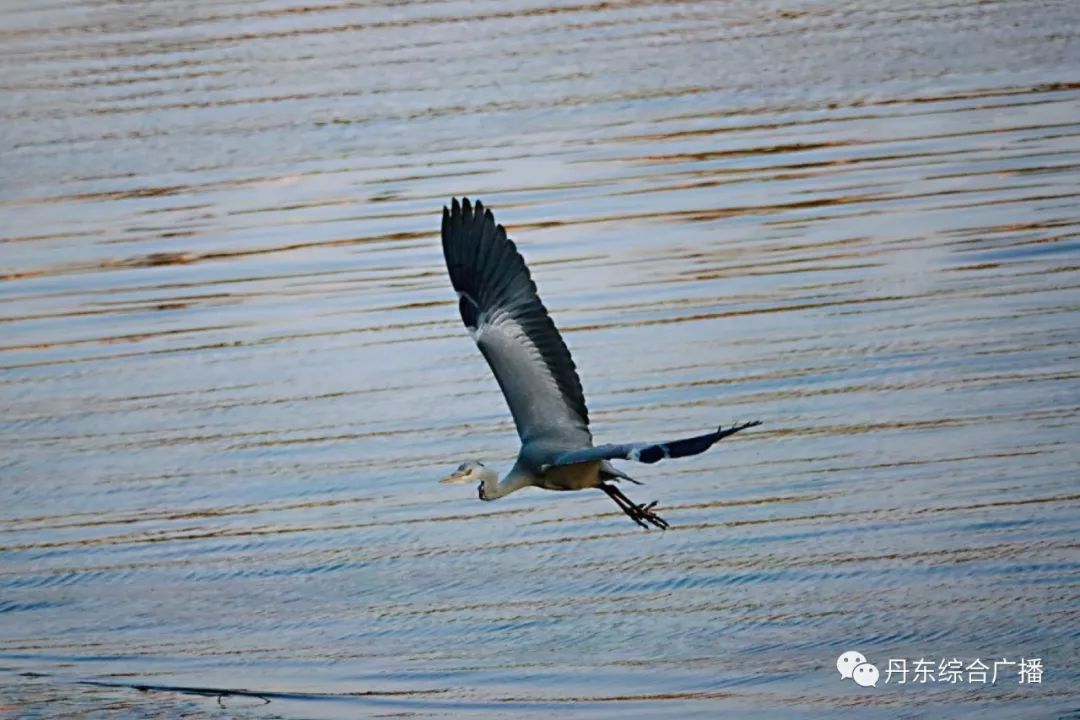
232 370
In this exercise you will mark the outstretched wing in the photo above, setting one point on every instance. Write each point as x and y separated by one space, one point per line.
650 452
500 307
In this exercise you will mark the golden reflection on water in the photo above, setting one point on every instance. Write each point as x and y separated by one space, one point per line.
231 368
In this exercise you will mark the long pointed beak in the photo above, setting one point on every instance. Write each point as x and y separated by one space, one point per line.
455 479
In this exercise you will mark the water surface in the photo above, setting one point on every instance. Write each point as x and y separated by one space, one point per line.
231 367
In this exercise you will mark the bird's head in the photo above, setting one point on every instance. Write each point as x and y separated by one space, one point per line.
474 471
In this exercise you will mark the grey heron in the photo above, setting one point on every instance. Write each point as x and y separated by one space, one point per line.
503 312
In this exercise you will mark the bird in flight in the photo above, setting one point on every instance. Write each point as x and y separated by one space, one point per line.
499 305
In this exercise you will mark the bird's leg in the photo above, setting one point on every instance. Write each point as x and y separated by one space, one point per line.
638 513
624 504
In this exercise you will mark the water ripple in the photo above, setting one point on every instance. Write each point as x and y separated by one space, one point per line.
231 368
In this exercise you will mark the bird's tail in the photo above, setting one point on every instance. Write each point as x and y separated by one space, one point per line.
610 472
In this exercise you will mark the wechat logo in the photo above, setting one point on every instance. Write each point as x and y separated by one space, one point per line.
853 666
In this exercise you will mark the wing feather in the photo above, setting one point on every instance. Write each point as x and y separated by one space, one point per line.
499 305
650 452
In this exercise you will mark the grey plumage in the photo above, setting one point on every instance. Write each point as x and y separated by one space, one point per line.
645 452
499 305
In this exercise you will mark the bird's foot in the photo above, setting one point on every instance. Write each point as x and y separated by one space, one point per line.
644 512
643 515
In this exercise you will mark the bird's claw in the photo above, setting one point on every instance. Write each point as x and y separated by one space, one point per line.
644 512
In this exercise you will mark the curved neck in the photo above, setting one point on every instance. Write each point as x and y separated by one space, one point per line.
494 488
